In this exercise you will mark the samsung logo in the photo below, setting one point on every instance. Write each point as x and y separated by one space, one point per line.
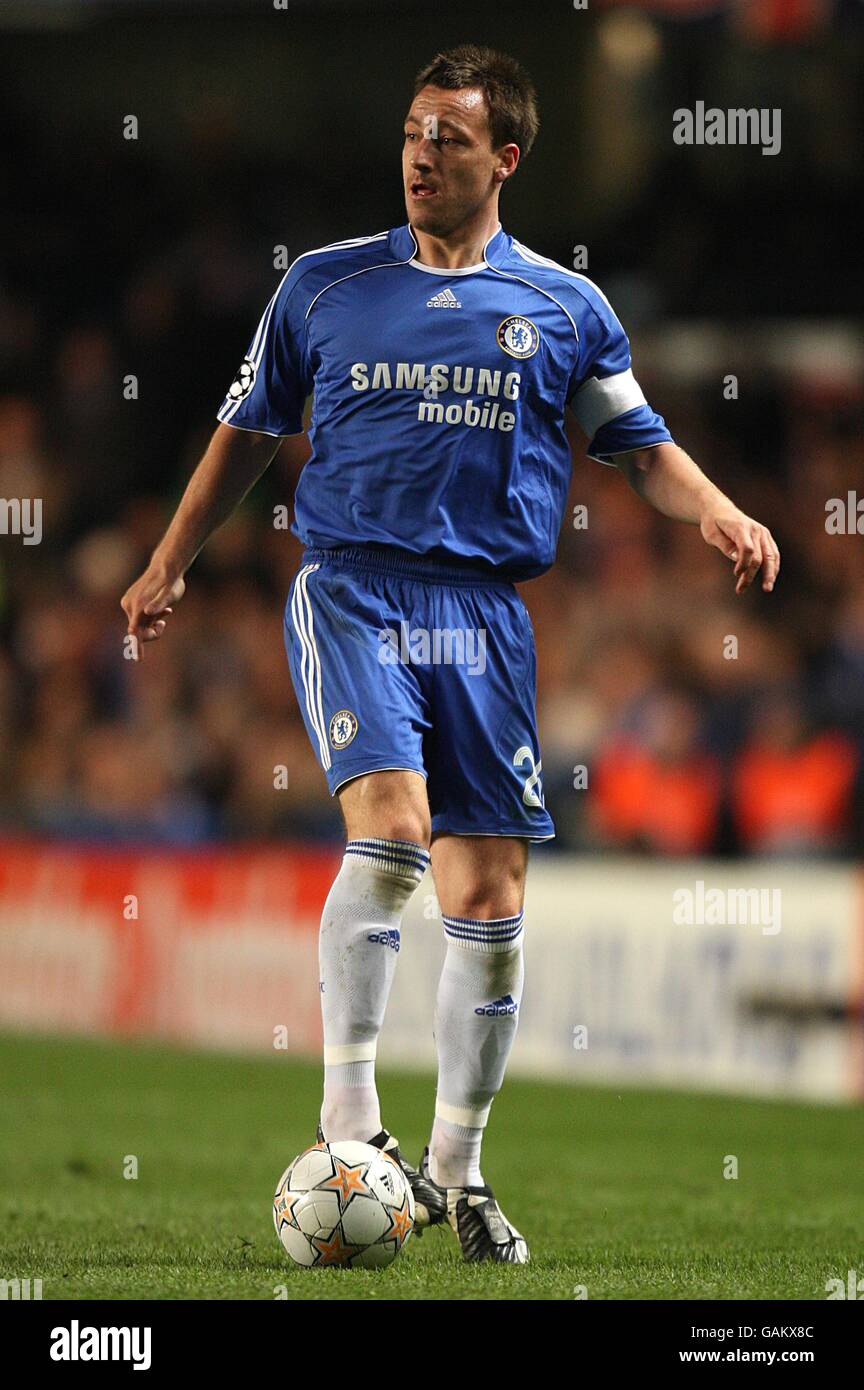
415 376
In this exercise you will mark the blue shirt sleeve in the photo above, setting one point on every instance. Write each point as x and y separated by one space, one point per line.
603 393
270 388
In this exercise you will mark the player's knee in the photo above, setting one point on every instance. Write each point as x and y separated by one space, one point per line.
409 829
378 806
499 893
491 902
416 827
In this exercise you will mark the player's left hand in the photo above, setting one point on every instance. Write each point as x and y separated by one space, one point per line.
747 542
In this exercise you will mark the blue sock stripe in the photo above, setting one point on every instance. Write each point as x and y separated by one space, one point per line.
471 934
493 925
482 937
404 844
384 853
482 922
401 848
381 858
381 854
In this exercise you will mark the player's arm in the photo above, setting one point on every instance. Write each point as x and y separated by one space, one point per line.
264 404
669 479
623 430
233 463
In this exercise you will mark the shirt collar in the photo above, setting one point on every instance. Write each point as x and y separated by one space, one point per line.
403 245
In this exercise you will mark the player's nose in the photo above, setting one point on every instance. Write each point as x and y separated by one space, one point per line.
421 156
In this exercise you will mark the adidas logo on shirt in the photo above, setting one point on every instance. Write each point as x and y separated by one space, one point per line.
505 1005
445 300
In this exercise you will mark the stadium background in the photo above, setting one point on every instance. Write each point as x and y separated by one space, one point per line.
262 129
155 257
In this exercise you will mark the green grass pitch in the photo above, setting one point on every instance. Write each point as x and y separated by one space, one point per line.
621 1192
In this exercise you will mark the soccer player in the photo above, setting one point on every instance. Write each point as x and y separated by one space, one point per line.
441 356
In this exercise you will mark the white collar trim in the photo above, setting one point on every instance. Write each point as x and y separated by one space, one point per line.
442 270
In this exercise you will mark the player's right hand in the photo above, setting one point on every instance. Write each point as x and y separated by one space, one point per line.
147 605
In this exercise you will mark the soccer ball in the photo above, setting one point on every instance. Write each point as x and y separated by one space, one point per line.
343 1203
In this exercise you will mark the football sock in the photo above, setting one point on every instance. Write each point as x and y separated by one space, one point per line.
476 1014
357 949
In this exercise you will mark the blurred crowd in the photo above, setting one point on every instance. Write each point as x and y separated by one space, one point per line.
675 717
704 720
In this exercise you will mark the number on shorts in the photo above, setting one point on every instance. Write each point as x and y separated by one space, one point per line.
532 791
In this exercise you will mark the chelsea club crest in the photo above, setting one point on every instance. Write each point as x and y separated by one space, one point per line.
518 336
343 727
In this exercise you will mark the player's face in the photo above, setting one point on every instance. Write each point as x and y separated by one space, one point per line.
449 167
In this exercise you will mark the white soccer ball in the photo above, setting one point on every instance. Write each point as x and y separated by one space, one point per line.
343 1203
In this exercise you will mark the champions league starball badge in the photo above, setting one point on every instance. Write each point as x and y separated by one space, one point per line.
243 381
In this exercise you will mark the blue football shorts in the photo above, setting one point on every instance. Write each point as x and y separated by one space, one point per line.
401 662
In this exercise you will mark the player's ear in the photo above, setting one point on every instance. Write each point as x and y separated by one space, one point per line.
508 158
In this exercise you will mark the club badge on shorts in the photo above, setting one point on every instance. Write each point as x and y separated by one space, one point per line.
343 727
518 336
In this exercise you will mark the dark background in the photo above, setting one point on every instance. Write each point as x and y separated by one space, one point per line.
263 128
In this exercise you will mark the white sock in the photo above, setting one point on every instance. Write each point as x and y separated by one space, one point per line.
357 950
476 1015
454 1154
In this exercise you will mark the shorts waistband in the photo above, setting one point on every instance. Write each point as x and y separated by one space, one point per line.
389 559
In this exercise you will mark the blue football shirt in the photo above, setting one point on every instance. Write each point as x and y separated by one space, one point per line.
439 396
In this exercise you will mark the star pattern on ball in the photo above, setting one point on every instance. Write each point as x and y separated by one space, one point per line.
285 1207
348 1178
400 1222
334 1251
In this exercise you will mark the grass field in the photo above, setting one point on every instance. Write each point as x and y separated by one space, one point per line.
620 1192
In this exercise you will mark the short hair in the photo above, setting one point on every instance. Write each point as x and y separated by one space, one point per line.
511 100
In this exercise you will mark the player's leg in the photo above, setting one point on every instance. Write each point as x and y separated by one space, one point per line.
366 721
387 826
486 798
480 884
391 803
